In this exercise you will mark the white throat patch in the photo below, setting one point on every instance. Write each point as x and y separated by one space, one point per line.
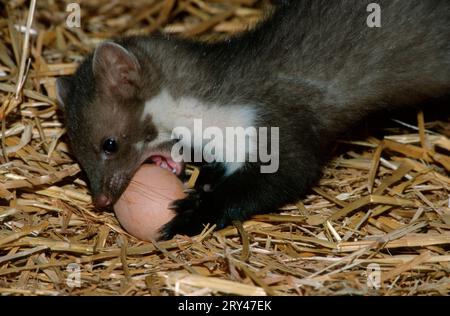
168 113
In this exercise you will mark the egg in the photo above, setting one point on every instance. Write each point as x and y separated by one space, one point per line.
144 206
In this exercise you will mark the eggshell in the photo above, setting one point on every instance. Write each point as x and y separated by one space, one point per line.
143 208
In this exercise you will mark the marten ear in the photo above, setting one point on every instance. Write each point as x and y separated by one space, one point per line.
63 86
116 69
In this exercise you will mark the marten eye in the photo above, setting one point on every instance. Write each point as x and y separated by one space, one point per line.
110 146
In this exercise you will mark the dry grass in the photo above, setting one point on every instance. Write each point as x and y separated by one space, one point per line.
382 202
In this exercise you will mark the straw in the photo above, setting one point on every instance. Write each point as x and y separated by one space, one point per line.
381 201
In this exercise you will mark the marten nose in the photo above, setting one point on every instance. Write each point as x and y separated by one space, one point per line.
102 201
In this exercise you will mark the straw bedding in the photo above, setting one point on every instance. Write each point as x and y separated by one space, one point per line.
378 223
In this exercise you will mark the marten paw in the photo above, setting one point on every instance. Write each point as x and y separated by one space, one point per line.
190 216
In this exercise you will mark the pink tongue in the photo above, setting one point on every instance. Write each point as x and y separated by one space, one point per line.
168 164
158 160
163 163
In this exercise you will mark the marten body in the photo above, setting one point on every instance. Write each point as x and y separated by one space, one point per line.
312 70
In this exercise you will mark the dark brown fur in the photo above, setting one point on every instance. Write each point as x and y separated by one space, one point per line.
312 70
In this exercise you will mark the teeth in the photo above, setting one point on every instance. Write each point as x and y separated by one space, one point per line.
174 170
163 165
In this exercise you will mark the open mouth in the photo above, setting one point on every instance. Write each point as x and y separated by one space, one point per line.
166 162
